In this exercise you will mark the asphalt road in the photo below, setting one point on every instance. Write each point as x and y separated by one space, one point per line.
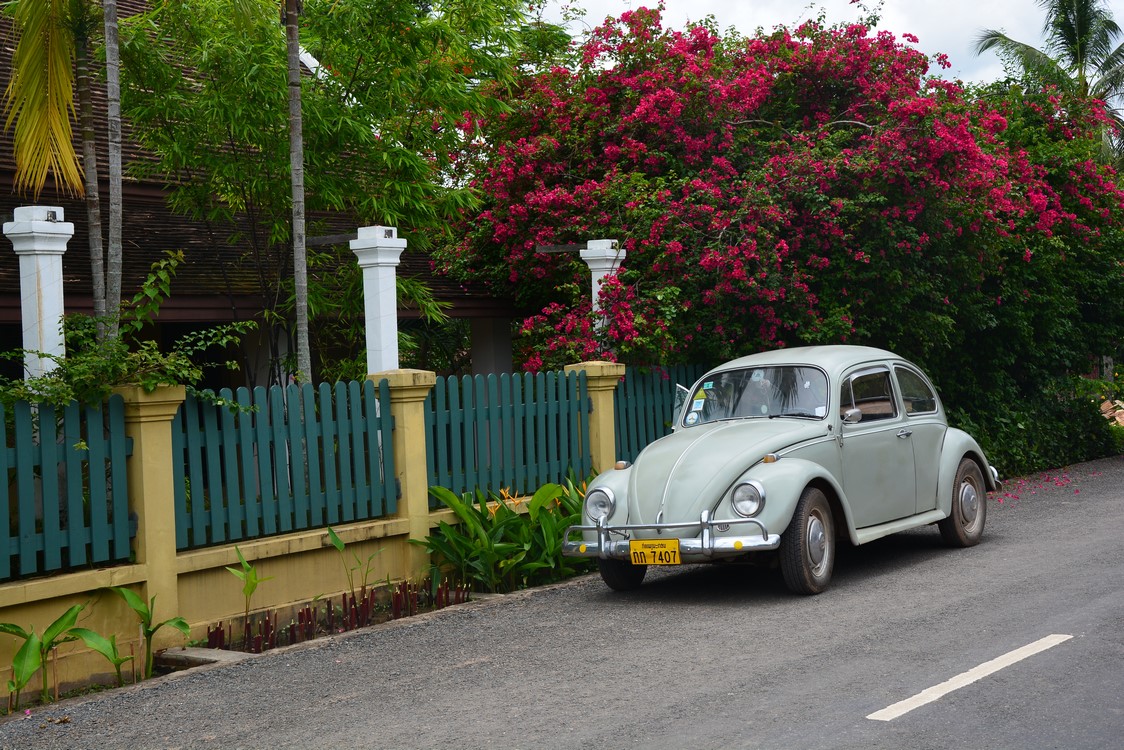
702 657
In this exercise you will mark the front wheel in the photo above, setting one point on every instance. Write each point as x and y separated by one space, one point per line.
620 575
965 524
807 551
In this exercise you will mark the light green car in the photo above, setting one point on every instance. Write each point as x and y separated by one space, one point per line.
784 453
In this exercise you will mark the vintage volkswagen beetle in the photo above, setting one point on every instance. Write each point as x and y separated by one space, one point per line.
785 453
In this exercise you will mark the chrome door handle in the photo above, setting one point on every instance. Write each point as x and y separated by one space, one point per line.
904 432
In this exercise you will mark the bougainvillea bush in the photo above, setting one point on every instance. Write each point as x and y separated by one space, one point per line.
813 185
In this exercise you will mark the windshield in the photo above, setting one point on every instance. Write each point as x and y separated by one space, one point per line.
756 392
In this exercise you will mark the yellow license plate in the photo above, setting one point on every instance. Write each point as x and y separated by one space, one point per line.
654 551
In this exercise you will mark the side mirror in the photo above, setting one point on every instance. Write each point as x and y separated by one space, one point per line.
852 416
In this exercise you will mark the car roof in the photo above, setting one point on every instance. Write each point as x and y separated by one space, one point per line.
832 358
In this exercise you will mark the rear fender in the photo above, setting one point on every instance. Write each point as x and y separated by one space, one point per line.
959 445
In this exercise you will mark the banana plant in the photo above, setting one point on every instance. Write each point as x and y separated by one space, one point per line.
107 647
248 575
33 654
145 613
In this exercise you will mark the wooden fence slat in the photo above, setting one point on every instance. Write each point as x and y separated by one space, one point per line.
118 478
8 542
317 502
298 455
179 480
230 470
25 486
358 452
282 460
248 463
373 434
75 460
212 453
328 451
456 435
196 487
386 434
264 450
343 447
100 529
49 487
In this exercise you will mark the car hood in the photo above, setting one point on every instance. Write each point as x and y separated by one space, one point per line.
691 469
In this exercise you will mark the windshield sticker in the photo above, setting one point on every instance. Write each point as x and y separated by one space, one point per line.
698 404
757 375
692 418
708 385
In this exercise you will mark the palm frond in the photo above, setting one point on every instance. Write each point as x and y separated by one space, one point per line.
39 100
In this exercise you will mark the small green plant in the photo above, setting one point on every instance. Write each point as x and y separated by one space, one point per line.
248 575
494 547
24 666
107 647
33 654
145 614
350 570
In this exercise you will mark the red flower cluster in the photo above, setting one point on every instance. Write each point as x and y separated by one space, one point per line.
812 185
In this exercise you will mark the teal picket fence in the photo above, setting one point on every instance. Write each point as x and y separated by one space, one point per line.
64 486
644 402
285 459
514 432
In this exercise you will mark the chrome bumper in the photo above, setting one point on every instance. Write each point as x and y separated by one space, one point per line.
704 547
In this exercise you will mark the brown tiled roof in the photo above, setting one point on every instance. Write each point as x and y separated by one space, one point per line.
215 283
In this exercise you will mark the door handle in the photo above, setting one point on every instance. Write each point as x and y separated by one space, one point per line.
904 432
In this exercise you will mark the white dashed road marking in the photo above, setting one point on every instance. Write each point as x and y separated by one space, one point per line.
967 678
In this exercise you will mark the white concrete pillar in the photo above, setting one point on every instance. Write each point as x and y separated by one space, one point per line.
39 237
379 251
603 258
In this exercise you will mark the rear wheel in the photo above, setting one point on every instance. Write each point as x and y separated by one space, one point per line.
620 575
965 524
807 551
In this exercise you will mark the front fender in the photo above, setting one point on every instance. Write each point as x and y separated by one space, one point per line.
957 446
784 481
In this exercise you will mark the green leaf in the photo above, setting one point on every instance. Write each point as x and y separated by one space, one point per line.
335 540
27 661
64 623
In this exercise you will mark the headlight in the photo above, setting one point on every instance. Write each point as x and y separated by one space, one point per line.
599 503
748 499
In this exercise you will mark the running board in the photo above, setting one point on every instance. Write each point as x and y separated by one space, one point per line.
870 533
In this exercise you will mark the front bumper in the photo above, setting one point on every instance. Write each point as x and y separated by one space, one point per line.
706 546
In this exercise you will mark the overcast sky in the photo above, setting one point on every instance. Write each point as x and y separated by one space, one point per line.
948 26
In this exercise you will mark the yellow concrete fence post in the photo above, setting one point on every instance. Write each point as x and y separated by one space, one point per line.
148 421
601 380
408 391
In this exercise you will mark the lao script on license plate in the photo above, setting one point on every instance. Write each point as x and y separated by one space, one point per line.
654 551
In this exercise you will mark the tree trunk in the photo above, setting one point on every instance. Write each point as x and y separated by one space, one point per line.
90 169
113 101
296 163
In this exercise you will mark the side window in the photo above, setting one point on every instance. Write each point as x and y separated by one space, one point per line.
871 393
916 393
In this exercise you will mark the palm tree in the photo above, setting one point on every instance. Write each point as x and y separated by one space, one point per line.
1079 56
113 122
50 61
296 164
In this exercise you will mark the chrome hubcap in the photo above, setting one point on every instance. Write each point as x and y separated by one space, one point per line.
817 541
969 503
